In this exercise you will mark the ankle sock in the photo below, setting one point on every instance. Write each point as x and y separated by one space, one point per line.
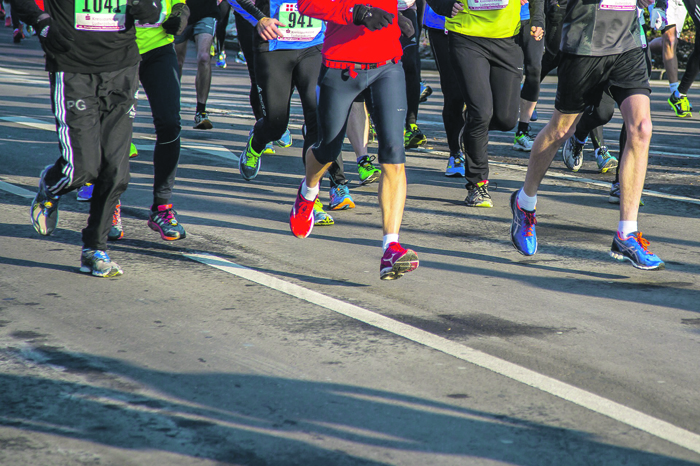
310 194
674 87
626 228
526 202
390 238
523 127
201 107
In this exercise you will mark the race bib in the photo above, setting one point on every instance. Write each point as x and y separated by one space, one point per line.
477 5
297 27
620 5
100 15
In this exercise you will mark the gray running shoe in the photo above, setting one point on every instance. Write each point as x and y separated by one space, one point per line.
44 212
99 264
572 153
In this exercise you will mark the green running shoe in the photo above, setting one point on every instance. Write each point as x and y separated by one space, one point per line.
680 105
368 172
249 161
321 218
413 137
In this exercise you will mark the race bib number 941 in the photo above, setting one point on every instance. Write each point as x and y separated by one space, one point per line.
620 5
477 5
100 15
297 27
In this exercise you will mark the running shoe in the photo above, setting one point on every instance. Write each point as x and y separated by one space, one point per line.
413 137
164 221
340 198
372 137
606 161
522 229
368 172
99 264
523 141
680 105
44 212
133 152
425 92
397 261
635 249
285 140
84 193
301 218
572 153
201 121
8 21
614 197
321 218
534 116
249 161
478 195
117 231
455 165
269 148
221 60
240 58
18 35
212 49
31 32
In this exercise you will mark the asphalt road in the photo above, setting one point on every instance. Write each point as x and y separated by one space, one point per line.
244 345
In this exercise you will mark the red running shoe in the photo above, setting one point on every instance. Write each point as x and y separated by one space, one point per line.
397 261
301 218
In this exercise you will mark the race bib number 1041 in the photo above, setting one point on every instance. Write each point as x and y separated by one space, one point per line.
100 15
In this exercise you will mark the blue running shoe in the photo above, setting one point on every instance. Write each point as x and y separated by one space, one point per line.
84 193
249 161
98 263
44 213
340 198
522 230
285 140
455 165
635 249
534 116
269 149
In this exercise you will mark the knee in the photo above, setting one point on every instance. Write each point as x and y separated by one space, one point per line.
480 120
203 58
503 122
167 134
641 131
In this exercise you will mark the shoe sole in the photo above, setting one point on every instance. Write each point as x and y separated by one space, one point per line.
371 178
481 204
324 223
454 174
281 144
154 226
521 148
406 263
680 115
621 257
113 272
204 125
345 205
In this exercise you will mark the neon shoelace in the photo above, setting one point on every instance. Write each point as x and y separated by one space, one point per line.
530 221
116 216
166 216
642 242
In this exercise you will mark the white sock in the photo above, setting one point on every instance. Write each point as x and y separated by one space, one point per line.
390 238
626 227
309 194
674 87
526 202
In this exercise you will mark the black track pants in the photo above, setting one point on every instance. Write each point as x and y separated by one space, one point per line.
245 40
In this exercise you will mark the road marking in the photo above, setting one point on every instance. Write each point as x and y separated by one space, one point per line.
580 397
10 71
31 122
10 188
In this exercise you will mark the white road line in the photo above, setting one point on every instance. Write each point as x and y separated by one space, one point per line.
11 71
10 188
31 122
596 403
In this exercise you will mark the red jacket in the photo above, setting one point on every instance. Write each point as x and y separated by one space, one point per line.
349 43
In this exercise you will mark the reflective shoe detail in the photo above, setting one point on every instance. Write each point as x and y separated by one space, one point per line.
99 264
164 221
321 218
221 60
478 195
201 121
84 193
614 197
680 105
269 149
117 231
249 161
606 161
425 92
397 261
455 165
368 172
340 198
285 140
522 229
523 141
413 137
572 153
133 152
635 249
301 218
44 212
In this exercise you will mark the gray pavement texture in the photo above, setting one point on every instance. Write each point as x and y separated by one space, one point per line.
177 363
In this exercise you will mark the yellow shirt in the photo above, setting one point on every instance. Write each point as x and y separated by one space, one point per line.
492 24
149 38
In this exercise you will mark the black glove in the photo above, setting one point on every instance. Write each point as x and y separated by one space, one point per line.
145 11
177 21
370 17
52 39
406 26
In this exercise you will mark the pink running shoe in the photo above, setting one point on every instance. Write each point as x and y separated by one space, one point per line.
301 218
397 261
164 221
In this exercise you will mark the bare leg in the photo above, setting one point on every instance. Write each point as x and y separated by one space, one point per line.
669 54
358 128
526 109
392 196
203 80
314 169
633 164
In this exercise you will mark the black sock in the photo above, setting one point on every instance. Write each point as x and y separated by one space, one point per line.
201 107
523 127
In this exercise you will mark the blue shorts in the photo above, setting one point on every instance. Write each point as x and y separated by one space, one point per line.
335 93
203 26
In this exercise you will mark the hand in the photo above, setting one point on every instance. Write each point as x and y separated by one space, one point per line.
267 28
145 11
177 21
406 26
456 8
370 17
658 19
537 32
52 39
523 2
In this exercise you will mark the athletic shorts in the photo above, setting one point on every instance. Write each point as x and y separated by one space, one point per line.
584 79
203 26
675 15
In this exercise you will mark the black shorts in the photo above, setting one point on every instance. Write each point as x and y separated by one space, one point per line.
584 79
